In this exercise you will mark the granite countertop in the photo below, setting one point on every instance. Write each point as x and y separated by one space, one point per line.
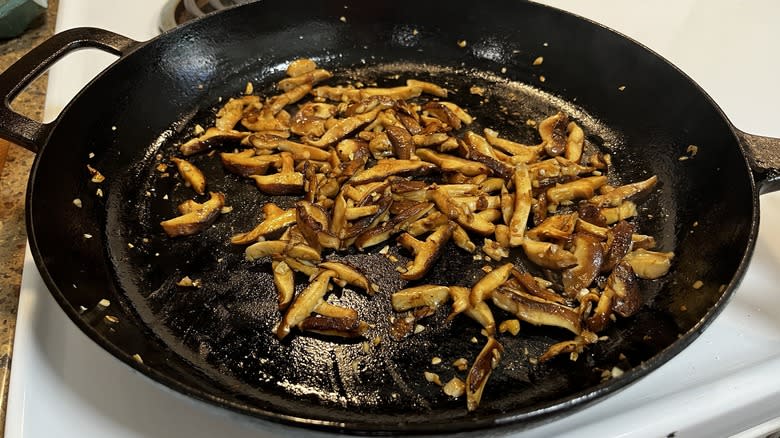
13 184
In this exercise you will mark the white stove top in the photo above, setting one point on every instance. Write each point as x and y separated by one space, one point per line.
725 383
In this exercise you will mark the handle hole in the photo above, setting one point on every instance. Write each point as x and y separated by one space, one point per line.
73 72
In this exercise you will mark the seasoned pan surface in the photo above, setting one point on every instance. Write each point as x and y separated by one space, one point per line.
216 342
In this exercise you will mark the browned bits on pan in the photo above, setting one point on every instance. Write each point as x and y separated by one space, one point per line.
373 164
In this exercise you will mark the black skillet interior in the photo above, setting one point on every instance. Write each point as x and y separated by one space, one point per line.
216 343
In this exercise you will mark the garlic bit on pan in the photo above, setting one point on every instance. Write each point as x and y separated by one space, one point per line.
373 165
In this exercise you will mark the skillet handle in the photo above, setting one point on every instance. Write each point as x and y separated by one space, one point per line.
764 155
22 130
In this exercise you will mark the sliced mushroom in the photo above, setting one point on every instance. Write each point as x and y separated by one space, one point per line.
350 275
212 137
429 295
460 300
649 265
330 326
583 188
311 77
521 207
637 240
305 303
621 295
284 279
483 289
559 227
286 182
275 219
450 163
246 163
343 128
425 253
387 168
398 223
574 142
618 244
533 287
482 314
590 255
268 248
519 153
191 175
232 112
310 119
553 133
616 197
537 311
480 371
548 255
574 347
197 217
300 66
312 220
403 144
625 210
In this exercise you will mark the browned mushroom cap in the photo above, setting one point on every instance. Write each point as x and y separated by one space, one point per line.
425 253
618 244
483 289
616 197
627 297
582 188
447 205
305 303
331 326
275 219
286 182
649 265
537 311
451 163
574 346
590 255
553 133
191 175
197 217
399 222
621 295
212 137
387 168
480 371
349 275
403 145
310 119
429 295
312 220
246 163
284 279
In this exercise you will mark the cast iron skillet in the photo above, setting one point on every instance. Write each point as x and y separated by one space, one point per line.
215 343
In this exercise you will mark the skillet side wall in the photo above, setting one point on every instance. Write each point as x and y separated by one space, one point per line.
702 209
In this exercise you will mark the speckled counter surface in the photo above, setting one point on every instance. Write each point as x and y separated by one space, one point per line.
13 183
